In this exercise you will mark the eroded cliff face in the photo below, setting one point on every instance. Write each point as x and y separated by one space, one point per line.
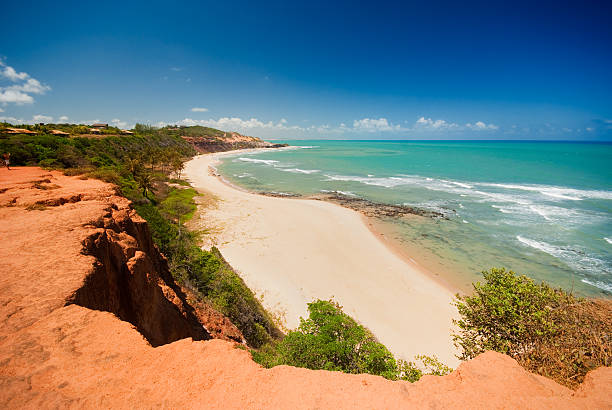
130 278
90 317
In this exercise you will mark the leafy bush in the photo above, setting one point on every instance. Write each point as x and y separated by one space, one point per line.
331 340
430 365
547 330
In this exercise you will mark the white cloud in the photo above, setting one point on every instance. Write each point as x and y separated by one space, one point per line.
589 129
374 125
118 123
176 69
10 73
480 126
13 96
364 126
35 119
19 93
11 120
32 85
63 118
429 124
42 118
238 124
90 122
199 109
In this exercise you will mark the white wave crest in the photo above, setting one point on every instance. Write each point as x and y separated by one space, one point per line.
384 182
574 258
564 193
599 284
347 193
300 171
608 240
259 161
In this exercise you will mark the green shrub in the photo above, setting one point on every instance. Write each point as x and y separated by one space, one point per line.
330 340
48 163
506 314
232 297
105 174
547 330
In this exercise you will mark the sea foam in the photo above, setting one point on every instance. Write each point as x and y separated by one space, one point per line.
259 161
300 171
575 258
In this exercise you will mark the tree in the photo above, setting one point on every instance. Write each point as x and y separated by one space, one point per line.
145 180
133 165
177 165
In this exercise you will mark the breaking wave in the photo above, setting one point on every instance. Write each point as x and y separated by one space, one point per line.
300 171
573 257
259 161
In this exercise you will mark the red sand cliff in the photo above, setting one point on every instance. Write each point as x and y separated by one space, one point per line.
84 297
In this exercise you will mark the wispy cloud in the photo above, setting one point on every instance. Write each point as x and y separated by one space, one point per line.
363 126
481 126
238 124
118 123
374 125
19 93
199 109
34 120
11 120
177 69
42 118
63 118
16 97
10 73
428 124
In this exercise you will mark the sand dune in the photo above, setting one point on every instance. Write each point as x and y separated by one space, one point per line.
291 251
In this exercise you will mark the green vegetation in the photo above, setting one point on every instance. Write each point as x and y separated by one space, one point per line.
72 129
141 166
548 331
331 340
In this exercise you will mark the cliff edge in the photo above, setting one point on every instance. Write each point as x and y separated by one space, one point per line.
91 317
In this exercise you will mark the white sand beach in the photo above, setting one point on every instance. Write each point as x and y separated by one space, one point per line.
292 251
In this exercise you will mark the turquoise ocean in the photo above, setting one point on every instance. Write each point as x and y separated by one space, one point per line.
543 209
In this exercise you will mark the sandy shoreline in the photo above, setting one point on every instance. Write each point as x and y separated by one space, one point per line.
291 251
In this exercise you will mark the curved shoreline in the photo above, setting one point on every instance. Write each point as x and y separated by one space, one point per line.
370 222
291 252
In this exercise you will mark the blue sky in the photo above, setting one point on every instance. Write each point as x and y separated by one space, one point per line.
418 70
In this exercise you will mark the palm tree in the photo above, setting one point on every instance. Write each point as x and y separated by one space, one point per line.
145 180
133 165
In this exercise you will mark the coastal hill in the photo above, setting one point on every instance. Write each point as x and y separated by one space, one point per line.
91 318
206 140
202 139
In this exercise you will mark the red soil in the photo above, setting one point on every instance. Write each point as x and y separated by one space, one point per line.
73 271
